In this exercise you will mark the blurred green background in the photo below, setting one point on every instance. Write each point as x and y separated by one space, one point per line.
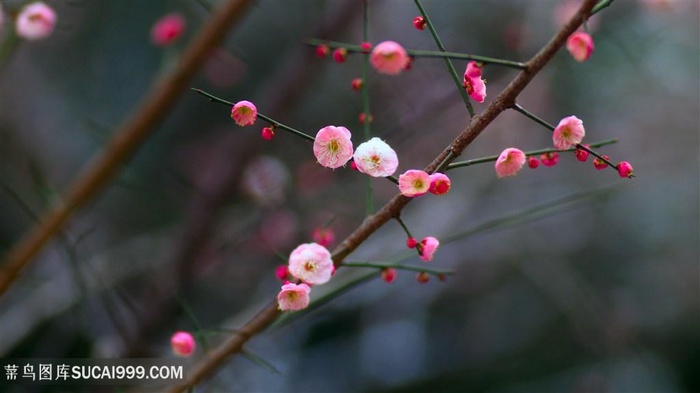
599 294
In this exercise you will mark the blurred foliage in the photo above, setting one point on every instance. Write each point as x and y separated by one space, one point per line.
602 295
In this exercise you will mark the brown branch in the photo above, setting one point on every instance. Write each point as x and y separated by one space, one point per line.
505 100
127 139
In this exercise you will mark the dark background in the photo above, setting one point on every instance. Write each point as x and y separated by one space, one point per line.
597 293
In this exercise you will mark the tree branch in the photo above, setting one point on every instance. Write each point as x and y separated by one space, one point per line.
127 139
393 208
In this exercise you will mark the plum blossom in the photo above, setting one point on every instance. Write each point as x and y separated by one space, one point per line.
376 158
473 82
389 58
35 21
311 263
414 182
244 113
568 133
427 248
293 297
509 162
332 146
167 29
439 184
580 46
182 343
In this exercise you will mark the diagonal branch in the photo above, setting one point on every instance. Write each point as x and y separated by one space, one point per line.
127 139
506 99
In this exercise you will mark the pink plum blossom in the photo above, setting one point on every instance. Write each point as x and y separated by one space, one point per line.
167 29
509 162
439 184
376 158
389 58
473 82
414 182
568 133
182 343
244 113
332 146
311 263
580 45
293 297
624 169
35 21
427 248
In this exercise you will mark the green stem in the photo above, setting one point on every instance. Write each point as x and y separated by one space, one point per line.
403 225
272 122
399 266
369 200
450 67
482 160
425 53
598 7
550 127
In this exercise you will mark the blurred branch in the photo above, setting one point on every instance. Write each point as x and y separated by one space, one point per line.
505 100
127 139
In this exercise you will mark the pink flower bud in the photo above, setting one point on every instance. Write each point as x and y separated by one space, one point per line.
282 273
600 164
389 58
366 47
388 274
419 23
550 159
423 277
268 133
582 155
580 45
411 242
439 184
167 29
624 168
35 21
427 248
322 51
533 162
357 84
323 236
340 55
182 344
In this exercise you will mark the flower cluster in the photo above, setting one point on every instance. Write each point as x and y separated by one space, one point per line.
414 182
310 263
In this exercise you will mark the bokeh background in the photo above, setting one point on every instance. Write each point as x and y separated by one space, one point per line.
589 282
